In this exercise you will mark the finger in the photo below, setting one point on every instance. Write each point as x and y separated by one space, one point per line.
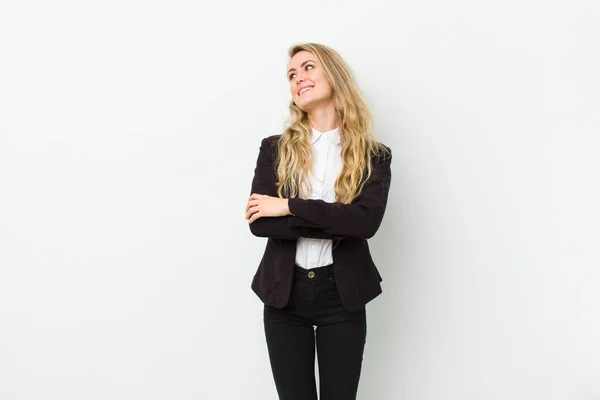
255 216
251 210
254 204
251 203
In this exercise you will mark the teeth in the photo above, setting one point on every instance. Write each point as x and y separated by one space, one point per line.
305 89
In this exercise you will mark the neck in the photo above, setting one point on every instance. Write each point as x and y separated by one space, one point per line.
324 118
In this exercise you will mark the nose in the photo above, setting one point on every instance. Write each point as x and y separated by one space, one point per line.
299 77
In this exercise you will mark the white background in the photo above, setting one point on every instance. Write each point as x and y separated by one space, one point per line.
129 132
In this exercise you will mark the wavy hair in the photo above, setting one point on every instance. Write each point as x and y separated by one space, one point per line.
355 120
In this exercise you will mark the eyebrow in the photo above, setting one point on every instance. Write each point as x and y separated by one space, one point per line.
301 65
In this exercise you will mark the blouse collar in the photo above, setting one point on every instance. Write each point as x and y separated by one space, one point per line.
332 136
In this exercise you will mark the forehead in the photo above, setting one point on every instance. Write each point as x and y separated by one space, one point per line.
300 57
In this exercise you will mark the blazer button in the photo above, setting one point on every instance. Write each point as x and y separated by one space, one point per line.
311 274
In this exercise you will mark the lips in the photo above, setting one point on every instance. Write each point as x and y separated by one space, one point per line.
309 87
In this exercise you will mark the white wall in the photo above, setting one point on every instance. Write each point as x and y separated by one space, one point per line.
128 136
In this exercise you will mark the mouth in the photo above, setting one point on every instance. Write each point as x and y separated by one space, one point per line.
304 89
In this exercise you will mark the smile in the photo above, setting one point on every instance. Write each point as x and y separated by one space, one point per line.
306 89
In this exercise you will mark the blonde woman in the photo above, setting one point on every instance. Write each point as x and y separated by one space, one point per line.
319 192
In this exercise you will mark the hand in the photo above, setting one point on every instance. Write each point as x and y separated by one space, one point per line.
261 205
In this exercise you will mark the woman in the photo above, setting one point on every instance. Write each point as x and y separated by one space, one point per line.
319 191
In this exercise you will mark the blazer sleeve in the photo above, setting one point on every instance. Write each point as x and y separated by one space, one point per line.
264 183
361 218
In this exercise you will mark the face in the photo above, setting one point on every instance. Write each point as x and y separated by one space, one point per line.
308 84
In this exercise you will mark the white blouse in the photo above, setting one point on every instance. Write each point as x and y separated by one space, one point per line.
327 164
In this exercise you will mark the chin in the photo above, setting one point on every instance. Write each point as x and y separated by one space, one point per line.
306 106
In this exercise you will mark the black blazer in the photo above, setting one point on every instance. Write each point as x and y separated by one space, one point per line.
349 225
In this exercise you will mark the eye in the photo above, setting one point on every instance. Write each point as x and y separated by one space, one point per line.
291 76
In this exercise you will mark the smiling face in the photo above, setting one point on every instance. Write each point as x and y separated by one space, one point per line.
308 84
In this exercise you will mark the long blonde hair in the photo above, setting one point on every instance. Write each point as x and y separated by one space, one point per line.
294 159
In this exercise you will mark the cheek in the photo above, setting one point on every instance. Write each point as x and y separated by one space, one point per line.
323 83
325 88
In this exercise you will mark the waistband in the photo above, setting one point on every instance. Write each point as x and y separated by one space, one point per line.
314 274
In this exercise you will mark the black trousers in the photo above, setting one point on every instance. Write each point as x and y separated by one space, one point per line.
339 337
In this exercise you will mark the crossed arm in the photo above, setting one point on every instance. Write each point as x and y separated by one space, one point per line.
317 218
